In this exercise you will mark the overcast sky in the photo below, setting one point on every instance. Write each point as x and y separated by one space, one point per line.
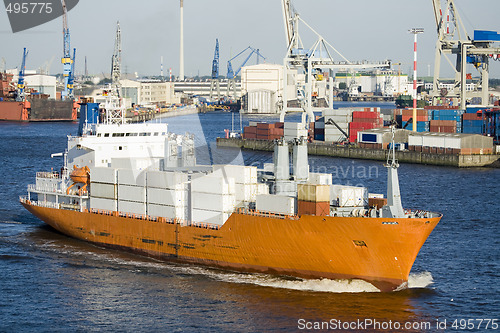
360 30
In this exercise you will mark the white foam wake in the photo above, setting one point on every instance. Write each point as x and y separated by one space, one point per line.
420 280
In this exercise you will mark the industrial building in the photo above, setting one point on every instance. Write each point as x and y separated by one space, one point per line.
149 92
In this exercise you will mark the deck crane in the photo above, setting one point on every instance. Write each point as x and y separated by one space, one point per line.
20 93
66 59
310 62
116 60
215 84
453 39
231 75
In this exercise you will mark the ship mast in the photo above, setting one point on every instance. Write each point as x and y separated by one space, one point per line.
394 208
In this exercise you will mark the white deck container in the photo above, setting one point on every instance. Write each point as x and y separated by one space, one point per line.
262 189
131 177
106 191
103 204
103 175
132 193
167 211
213 184
214 202
132 207
167 180
206 216
279 204
242 174
167 197
246 192
348 196
320 178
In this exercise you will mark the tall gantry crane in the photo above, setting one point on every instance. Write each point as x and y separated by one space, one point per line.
215 84
66 60
453 39
231 75
20 92
116 61
311 61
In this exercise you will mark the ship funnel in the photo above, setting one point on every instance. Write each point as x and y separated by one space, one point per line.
300 160
394 207
281 160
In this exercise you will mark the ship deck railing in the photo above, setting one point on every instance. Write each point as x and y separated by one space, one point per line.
47 204
185 223
48 174
253 212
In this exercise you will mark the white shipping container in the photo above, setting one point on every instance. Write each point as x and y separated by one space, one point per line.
103 204
294 126
375 195
295 133
171 212
414 140
167 179
167 197
213 184
348 196
337 112
208 216
320 178
215 202
103 175
245 192
132 207
339 119
261 101
242 174
100 190
262 189
279 204
132 193
131 177
334 138
334 130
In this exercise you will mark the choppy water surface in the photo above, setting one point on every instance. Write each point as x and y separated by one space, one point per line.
49 282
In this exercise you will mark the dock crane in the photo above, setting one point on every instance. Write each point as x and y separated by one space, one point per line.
453 39
215 84
311 62
116 61
231 75
66 60
71 77
20 93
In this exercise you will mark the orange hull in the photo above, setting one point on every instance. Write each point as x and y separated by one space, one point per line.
308 247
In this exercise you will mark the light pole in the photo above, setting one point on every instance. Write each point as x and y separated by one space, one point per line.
415 32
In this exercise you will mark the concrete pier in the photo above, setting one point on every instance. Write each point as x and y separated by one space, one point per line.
345 151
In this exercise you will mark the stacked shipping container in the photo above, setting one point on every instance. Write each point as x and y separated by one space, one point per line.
313 199
362 120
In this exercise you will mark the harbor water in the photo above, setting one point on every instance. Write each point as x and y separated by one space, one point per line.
50 282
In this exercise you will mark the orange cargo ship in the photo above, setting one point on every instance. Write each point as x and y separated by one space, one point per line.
120 194
378 250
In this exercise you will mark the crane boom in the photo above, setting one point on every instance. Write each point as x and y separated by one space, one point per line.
215 62
116 60
288 20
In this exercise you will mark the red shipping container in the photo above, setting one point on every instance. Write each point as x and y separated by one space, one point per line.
264 126
279 125
250 129
249 136
471 116
321 208
365 115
